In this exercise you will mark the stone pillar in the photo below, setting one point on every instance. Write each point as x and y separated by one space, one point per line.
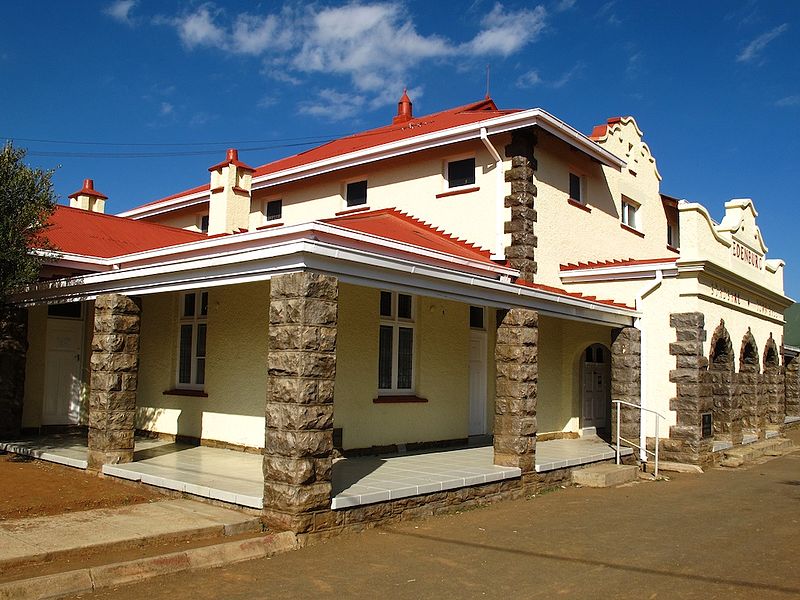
299 409
13 349
693 392
792 386
726 413
626 381
114 379
521 252
517 366
773 388
748 381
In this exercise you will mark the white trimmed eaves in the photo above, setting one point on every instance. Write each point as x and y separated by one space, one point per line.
149 210
619 273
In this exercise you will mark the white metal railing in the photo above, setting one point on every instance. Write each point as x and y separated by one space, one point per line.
654 452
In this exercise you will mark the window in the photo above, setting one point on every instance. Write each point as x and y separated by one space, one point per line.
396 343
204 223
192 340
630 215
576 187
461 173
476 317
356 193
672 236
70 310
273 210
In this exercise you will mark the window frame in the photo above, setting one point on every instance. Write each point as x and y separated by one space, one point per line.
265 210
346 193
582 186
194 321
396 323
202 223
457 159
626 206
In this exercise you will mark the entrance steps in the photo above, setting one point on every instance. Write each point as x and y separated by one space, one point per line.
605 475
740 455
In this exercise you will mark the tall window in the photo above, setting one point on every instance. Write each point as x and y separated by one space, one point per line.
273 211
203 223
461 173
192 340
576 187
396 343
356 193
630 215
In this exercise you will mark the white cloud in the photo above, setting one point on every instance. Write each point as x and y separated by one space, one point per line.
754 48
564 5
333 105
120 10
166 108
267 101
788 101
529 79
505 33
532 78
199 28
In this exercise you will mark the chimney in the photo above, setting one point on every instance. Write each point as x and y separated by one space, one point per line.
87 198
229 205
404 112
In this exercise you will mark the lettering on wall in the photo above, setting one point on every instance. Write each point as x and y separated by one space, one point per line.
743 253
736 297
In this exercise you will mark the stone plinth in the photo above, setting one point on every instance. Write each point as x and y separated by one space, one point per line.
517 364
114 379
521 252
626 381
299 409
13 350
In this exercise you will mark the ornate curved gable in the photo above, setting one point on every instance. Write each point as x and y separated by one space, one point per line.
622 136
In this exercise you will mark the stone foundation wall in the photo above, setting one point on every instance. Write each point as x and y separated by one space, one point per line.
626 381
521 253
517 365
298 447
114 379
13 350
792 386
693 392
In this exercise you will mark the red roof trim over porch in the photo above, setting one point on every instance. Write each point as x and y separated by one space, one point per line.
614 263
576 295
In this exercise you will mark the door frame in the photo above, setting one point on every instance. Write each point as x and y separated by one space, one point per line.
483 402
605 365
65 417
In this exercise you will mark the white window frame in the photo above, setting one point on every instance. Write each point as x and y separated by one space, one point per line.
582 186
396 323
344 192
194 321
266 220
446 173
483 318
629 213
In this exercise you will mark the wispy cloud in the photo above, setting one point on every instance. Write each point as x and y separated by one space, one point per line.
608 13
532 78
120 10
374 45
788 101
753 50
167 108
333 105
564 5
529 79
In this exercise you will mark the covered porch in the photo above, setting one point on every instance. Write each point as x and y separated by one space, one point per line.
236 477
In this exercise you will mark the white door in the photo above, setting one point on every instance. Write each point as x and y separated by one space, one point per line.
595 395
477 383
62 379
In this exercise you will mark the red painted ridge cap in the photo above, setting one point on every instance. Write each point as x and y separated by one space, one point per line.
613 263
576 295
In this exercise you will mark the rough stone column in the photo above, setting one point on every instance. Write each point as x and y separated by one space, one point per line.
693 391
517 366
792 386
13 349
727 412
299 409
114 379
773 388
748 381
521 252
626 381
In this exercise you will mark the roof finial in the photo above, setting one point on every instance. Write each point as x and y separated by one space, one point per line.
487 82
404 109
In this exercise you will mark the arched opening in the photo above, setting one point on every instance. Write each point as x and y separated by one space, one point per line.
773 398
748 380
726 414
772 360
596 389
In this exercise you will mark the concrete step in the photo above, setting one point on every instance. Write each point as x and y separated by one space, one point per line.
604 475
739 455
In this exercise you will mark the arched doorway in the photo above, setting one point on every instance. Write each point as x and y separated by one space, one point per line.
596 389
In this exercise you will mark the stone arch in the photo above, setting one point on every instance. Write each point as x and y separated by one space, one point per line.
772 357
726 411
773 401
748 380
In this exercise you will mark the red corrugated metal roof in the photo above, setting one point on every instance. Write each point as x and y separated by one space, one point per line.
392 224
614 263
95 234
446 119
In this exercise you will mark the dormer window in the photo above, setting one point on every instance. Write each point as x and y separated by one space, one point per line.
356 193
461 173
273 211
576 188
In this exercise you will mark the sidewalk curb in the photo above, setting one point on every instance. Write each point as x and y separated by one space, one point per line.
86 580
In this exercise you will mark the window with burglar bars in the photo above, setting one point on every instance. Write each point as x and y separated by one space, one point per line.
396 344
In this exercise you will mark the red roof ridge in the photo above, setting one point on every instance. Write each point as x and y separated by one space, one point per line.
613 263
188 192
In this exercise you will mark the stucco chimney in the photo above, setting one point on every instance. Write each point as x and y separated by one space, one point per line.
87 198
229 205
404 110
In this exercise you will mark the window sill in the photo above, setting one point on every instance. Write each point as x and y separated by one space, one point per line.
631 229
270 226
350 211
459 191
580 205
398 399
673 249
181 392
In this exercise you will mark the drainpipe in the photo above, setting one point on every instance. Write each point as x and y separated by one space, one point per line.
643 380
498 253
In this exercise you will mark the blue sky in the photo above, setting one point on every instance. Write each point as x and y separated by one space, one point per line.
155 91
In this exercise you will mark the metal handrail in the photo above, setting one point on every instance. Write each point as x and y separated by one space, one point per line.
641 424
